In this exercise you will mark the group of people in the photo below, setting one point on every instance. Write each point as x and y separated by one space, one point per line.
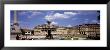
22 37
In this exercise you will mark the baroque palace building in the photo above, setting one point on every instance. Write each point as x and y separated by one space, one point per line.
87 30
90 30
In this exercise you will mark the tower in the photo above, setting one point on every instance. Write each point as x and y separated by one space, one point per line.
15 29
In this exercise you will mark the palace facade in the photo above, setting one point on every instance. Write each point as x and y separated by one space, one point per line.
87 30
91 31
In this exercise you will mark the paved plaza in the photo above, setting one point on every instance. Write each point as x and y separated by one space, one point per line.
55 37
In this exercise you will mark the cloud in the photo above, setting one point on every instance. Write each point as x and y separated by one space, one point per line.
49 17
70 13
30 14
94 21
86 20
59 15
22 22
55 16
54 23
74 18
34 14
64 15
69 25
19 22
23 12
88 12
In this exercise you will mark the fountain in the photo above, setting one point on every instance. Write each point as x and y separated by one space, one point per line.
49 29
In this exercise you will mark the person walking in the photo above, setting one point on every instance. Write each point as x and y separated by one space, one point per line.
17 37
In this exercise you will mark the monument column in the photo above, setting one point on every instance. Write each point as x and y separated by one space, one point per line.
15 27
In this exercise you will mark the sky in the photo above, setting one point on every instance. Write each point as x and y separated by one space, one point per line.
68 18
